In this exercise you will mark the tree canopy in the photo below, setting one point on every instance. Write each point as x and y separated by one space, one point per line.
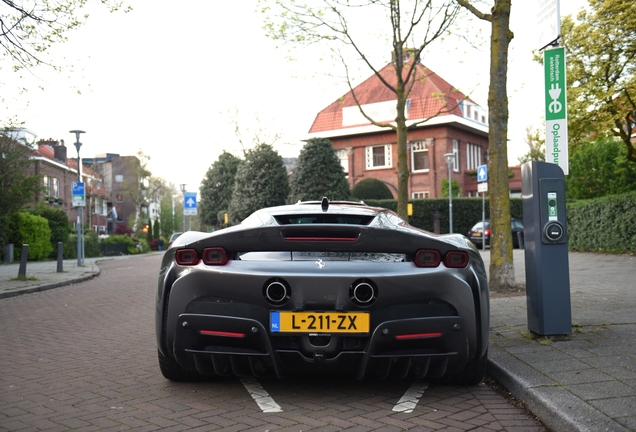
18 184
29 28
318 174
217 188
411 26
261 181
601 72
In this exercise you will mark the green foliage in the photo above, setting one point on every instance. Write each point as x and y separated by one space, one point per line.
91 246
261 181
18 185
537 147
318 174
33 230
454 186
606 224
150 231
168 224
601 72
156 229
599 168
58 223
371 188
216 188
29 29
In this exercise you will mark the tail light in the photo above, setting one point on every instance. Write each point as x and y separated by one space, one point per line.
427 258
214 256
456 259
186 257
487 233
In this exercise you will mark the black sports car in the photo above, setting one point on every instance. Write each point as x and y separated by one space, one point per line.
323 287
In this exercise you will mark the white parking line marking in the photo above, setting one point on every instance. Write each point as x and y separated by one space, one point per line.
408 402
260 396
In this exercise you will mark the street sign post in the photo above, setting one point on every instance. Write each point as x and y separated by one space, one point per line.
190 203
556 119
78 194
482 187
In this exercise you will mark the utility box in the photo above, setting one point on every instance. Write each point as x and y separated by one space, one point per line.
546 249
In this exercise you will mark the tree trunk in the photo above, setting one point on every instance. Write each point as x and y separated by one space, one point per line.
502 272
402 163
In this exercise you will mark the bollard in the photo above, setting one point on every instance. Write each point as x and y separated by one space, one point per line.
23 262
60 257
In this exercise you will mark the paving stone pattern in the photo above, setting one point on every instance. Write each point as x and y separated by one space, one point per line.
83 357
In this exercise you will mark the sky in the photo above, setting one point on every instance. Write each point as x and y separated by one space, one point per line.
174 82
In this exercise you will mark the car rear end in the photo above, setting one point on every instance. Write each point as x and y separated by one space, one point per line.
374 298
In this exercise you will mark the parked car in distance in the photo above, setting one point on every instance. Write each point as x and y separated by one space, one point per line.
173 237
323 287
478 233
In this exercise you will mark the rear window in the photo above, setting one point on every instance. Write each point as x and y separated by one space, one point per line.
324 218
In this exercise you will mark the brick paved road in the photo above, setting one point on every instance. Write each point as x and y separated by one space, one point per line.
83 357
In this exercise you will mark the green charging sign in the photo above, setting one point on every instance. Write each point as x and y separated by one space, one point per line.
556 118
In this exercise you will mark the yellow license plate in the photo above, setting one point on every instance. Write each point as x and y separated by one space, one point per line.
319 322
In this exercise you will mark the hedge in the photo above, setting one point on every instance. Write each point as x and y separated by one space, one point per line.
33 230
606 224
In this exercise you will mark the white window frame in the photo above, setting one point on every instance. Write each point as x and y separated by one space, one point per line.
420 195
456 158
419 147
473 156
343 157
47 185
55 187
387 157
119 178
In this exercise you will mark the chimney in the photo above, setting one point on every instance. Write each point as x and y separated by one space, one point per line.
408 54
60 152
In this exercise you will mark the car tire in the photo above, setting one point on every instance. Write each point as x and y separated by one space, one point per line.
472 374
174 372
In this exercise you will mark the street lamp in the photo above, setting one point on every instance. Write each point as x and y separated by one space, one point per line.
80 209
450 158
183 191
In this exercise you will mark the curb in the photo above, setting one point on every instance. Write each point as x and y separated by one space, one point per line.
557 408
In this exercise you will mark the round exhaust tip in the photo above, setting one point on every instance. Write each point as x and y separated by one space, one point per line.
363 292
276 291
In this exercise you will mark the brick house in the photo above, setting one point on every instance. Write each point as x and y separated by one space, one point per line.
455 125
50 159
123 183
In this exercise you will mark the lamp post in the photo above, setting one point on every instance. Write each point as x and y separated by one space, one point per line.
183 190
450 158
80 209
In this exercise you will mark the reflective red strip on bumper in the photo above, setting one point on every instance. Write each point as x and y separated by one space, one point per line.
418 336
221 333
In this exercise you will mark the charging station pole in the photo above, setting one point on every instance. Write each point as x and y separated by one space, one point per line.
546 249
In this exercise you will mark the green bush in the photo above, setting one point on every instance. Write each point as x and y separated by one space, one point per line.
26 228
606 224
371 189
58 223
91 246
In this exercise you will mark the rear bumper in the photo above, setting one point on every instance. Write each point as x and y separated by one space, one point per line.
222 345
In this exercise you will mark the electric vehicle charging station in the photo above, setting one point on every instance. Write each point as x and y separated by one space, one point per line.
546 249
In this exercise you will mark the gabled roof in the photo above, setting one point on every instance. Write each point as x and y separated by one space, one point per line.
430 96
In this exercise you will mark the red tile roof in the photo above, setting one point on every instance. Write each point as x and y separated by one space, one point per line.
431 95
